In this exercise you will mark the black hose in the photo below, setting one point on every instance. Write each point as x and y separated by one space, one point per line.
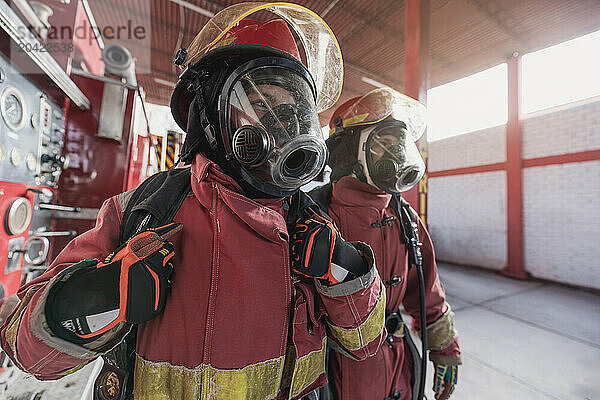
410 231
423 316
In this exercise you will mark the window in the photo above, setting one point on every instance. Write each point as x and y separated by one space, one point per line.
476 102
561 74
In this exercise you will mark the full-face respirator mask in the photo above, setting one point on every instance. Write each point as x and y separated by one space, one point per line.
390 157
270 127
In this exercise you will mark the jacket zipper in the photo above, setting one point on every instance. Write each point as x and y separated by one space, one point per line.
214 275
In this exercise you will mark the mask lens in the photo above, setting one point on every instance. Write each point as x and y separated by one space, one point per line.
393 160
383 144
276 100
274 130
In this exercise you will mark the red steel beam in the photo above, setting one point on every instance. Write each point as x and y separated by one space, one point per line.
582 156
475 169
416 83
514 175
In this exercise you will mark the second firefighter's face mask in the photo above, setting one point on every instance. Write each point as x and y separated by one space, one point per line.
390 157
271 128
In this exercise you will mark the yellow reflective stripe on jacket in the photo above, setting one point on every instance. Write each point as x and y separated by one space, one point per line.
162 380
441 332
307 369
356 338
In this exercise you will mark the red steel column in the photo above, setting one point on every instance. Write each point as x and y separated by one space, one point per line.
514 175
416 82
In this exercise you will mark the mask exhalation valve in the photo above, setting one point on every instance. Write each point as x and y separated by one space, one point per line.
298 163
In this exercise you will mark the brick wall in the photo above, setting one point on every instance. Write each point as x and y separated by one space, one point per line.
467 218
467 213
568 129
482 147
561 213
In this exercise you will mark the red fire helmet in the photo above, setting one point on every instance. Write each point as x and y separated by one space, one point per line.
274 33
294 29
378 105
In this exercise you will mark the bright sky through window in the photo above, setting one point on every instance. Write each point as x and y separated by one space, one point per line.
561 74
476 102
556 75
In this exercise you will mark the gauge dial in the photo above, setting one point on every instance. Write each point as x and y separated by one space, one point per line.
12 107
18 216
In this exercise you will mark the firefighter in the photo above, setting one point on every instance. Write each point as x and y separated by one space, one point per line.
374 159
241 302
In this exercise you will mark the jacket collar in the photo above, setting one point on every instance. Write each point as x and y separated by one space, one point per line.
265 216
204 169
349 191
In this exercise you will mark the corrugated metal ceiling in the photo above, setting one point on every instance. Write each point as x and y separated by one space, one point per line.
466 36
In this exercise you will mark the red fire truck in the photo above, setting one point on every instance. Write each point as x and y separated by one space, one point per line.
73 132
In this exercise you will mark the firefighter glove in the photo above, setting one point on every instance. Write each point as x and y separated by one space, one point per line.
130 285
318 251
444 380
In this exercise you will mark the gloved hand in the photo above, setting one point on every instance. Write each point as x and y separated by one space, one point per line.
318 251
130 285
444 380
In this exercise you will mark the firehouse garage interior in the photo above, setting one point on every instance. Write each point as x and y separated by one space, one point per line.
512 207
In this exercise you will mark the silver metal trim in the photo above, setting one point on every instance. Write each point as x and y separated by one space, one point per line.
83 213
80 72
88 11
57 207
28 13
112 112
12 24
16 156
55 234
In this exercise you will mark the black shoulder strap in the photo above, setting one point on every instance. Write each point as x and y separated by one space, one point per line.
155 201
321 195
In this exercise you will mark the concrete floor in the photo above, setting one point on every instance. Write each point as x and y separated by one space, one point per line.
523 340
520 341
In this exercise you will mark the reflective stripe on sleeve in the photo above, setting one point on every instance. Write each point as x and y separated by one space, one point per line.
357 338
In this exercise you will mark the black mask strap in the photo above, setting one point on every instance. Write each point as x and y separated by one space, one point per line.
194 139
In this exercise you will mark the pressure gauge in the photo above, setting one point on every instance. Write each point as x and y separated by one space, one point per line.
12 107
18 216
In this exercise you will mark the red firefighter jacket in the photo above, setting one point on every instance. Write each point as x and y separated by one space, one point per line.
354 207
237 324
